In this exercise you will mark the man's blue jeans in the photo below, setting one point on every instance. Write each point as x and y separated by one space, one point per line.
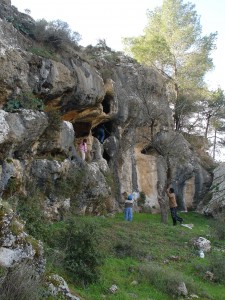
128 213
174 216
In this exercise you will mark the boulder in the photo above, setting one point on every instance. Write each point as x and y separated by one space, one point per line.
202 243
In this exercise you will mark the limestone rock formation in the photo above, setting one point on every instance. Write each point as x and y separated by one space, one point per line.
50 100
216 205
88 87
202 243
18 251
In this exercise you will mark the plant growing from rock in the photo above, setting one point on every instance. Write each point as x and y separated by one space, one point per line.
25 100
20 282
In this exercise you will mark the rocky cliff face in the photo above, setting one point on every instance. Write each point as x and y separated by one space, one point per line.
88 87
216 200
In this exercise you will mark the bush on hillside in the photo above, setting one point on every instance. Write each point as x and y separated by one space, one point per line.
217 266
21 282
82 256
166 279
56 33
218 227
30 208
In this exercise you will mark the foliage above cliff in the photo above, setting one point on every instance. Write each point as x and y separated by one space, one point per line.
172 43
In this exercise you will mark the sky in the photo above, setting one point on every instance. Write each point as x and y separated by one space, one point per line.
112 20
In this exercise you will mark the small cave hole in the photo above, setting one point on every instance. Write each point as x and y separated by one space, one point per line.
106 156
149 151
106 103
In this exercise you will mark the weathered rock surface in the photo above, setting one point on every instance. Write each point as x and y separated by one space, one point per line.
39 155
202 243
87 87
16 246
58 287
216 205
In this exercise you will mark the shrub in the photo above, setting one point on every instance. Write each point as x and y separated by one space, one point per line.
82 256
25 27
56 33
218 227
106 74
11 188
21 282
44 52
165 279
72 184
30 209
217 266
26 100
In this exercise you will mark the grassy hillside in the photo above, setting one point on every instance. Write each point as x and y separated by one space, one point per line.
145 259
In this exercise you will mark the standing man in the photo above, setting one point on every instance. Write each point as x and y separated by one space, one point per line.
101 133
128 210
173 206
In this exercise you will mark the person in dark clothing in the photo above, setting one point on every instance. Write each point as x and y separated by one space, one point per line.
173 206
128 211
100 134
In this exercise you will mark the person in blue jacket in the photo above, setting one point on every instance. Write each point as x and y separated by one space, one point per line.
128 210
101 133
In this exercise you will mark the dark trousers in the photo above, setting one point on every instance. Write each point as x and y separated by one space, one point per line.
174 216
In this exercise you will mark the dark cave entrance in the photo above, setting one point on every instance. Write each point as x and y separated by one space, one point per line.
82 129
148 150
106 156
106 103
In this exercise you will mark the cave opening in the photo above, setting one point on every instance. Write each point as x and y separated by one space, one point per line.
106 156
106 103
82 129
148 150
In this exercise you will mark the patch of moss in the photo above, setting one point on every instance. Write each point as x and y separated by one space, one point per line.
43 52
35 245
16 227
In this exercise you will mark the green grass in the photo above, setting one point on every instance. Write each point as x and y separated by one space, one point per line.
131 250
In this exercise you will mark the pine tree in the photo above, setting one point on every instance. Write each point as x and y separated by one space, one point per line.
173 44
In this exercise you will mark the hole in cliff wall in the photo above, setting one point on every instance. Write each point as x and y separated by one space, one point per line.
81 129
47 85
108 128
106 156
149 151
106 103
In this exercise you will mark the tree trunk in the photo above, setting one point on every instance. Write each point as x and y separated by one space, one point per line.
214 144
176 115
162 203
207 125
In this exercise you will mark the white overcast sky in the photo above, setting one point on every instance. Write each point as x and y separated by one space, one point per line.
111 20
